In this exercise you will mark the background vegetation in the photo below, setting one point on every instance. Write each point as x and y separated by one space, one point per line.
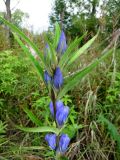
94 121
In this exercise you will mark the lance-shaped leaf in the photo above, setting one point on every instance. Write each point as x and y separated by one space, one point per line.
80 51
24 37
32 117
51 56
31 148
57 35
52 53
75 79
39 129
32 58
48 58
20 148
71 48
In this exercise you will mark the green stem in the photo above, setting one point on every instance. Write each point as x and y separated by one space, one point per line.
53 98
58 156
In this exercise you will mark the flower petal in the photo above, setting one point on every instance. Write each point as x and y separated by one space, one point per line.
61 115
47 77
63 143
58 78
59 105
46 50
62 46
51 140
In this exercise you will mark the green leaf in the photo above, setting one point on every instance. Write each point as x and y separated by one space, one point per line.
57 35
39 129
111 128
24 149
66 56
53 53
34 61
77 76
32 117
3 158
52 58
72 129
24 37
33 148
82 50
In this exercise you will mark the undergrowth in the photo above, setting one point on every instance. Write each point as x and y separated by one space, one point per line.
94 116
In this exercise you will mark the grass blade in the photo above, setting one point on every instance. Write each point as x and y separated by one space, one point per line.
111 128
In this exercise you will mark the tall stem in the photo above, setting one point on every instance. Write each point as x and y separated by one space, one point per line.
53 98
57 156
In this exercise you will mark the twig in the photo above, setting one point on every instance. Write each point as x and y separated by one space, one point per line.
15 5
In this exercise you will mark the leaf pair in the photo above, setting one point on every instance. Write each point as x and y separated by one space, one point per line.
37 122
73 80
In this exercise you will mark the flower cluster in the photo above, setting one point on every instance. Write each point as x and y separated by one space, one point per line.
56 80
61 112
63 142
58 110
61 116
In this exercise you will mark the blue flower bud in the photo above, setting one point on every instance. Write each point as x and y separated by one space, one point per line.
47 77
51 140
62 46
63 143
58 78
46 50
61 115
59 105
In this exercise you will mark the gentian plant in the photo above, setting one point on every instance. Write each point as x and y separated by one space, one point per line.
54 78
52 67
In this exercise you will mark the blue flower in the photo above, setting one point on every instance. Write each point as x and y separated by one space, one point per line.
51 140
59 105
58 78
61 115
62 46
47 77
63 143
61 112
